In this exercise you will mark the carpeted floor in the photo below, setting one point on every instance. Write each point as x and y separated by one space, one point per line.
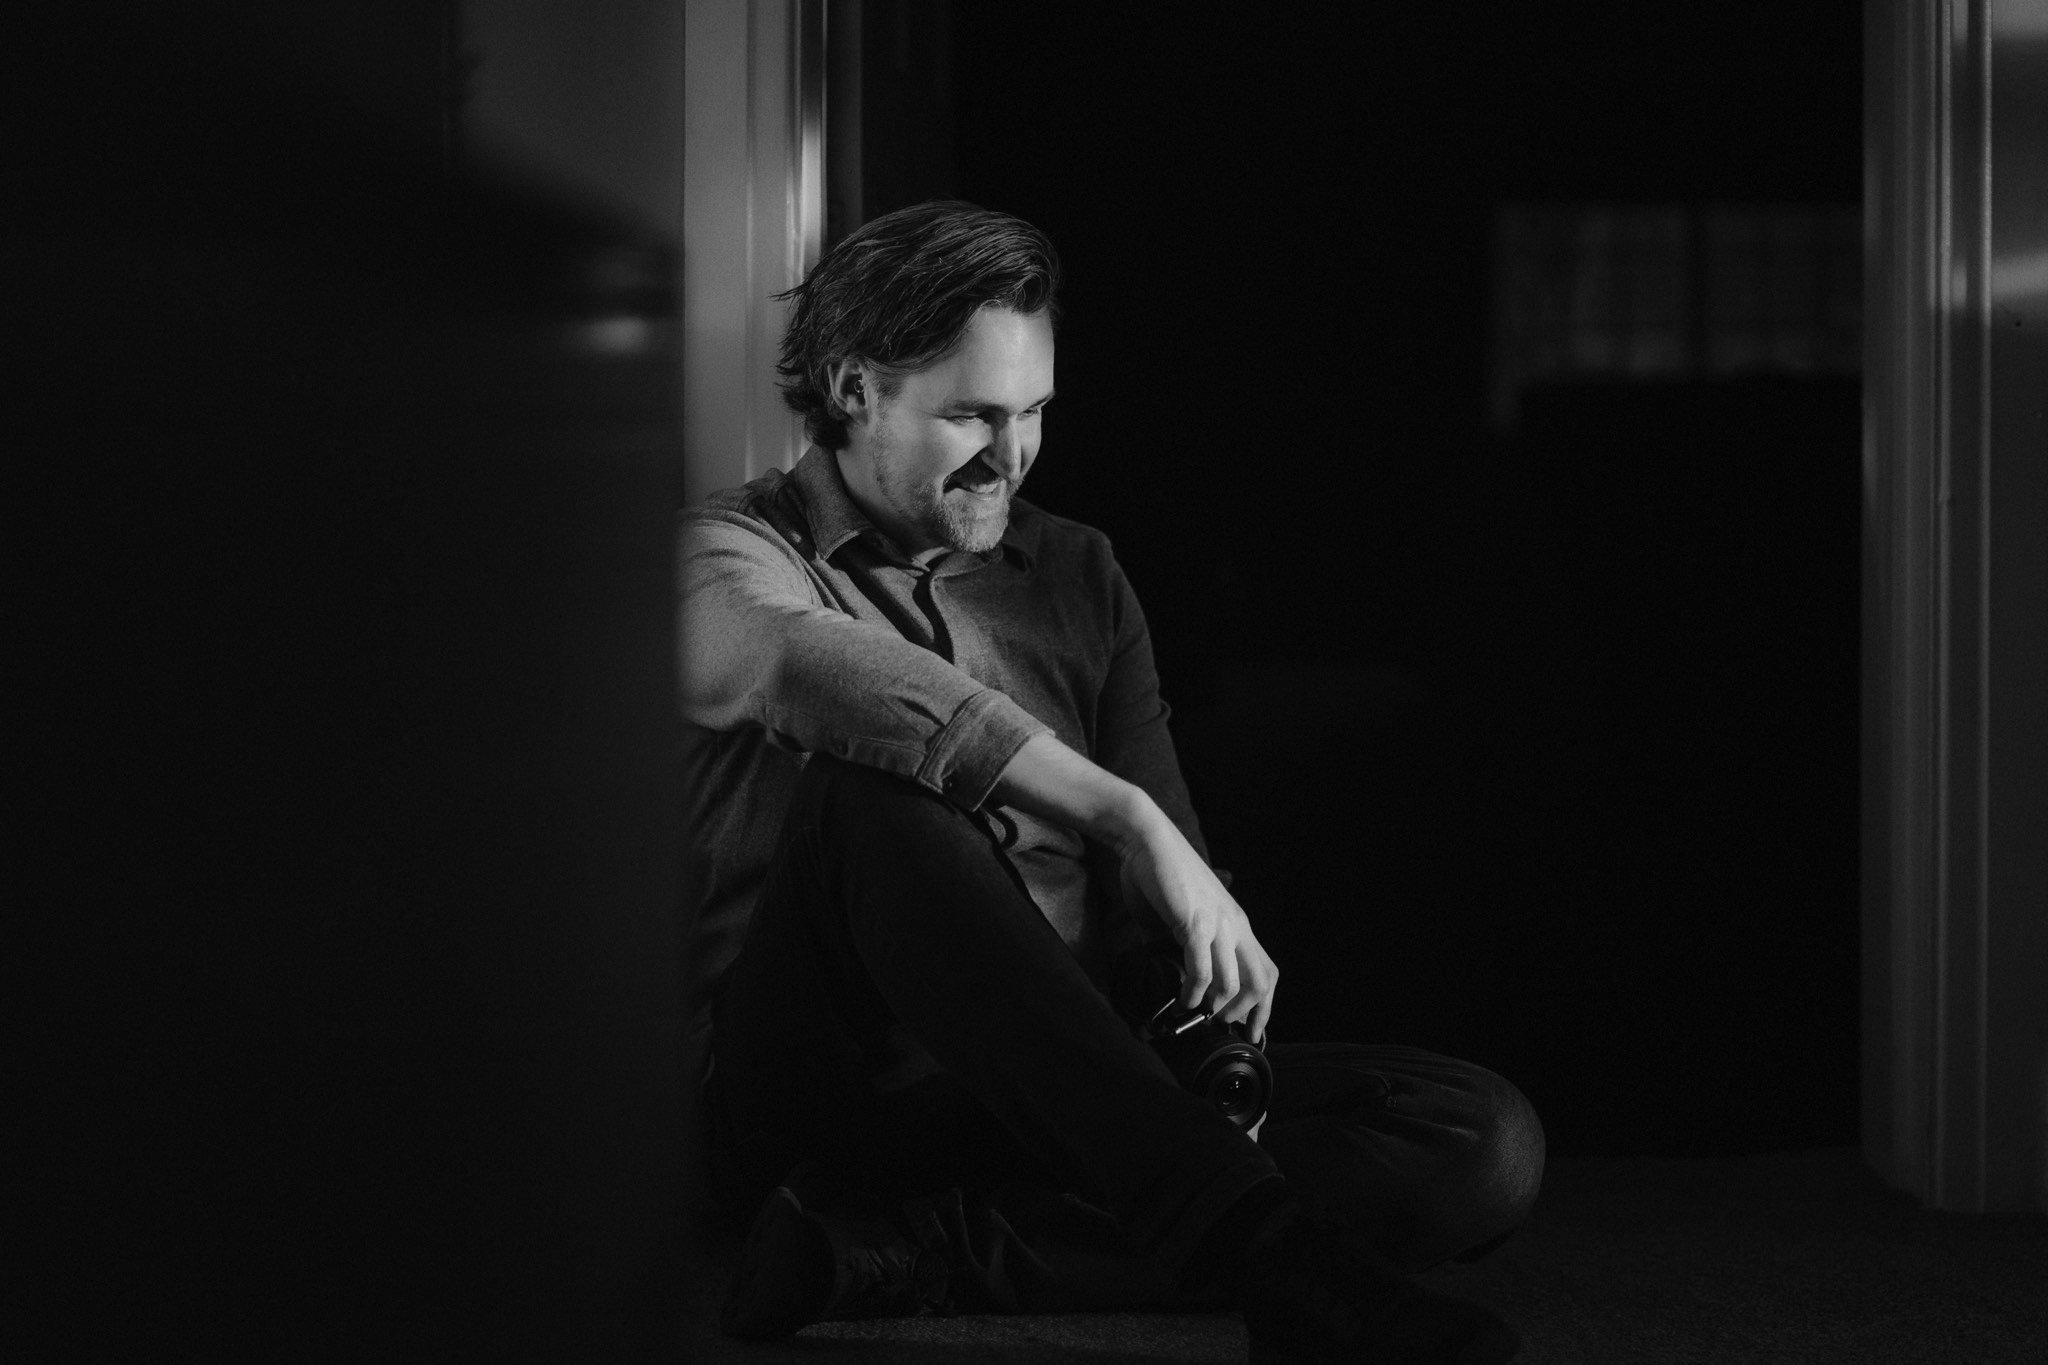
1787 1259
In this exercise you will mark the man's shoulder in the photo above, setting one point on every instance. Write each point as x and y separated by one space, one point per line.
1050 538
750 499
768 506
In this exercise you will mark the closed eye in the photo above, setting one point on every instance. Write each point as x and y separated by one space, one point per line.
993 412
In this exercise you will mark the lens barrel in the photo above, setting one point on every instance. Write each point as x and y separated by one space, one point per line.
1208 1058
1211 1060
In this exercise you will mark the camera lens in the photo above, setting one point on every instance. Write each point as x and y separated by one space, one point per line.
1233 1083
1209 1058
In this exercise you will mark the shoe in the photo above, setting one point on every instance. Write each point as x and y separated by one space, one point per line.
819 1252
1321 1293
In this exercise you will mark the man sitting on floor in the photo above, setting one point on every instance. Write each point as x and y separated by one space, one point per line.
936 814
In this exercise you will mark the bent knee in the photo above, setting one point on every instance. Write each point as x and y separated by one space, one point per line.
1510 1151
847 792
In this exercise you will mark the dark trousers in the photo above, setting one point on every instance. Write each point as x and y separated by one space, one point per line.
903 1014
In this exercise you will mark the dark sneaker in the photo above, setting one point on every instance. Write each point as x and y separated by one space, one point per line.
819 1252
1320 1293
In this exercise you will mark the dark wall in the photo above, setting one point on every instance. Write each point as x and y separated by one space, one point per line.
1535 746
344 808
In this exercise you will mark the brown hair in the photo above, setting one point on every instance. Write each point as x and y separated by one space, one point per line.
897 294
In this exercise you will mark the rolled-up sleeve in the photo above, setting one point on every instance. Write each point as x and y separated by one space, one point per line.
759 648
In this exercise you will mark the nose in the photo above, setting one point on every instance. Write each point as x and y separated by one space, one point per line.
1005 452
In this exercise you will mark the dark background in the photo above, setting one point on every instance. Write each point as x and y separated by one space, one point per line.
343 793
340 610
1535 746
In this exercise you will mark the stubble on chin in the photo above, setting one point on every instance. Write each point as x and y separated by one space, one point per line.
953 524
965 530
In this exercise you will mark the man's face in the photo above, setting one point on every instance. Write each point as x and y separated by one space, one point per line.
941 458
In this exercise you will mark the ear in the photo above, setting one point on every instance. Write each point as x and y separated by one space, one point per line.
852 390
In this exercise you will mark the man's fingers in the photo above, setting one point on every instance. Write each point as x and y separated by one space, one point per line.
1222 977
1194 983
1255 1026
1260 979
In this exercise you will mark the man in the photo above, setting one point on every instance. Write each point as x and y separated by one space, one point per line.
938 813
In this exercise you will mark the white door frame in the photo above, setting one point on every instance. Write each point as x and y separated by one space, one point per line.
753 223
1955 640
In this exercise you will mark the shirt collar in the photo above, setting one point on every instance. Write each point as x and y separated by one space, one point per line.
836 519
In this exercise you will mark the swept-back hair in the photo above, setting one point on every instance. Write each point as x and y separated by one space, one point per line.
897 294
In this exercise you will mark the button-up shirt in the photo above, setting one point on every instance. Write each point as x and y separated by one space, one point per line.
805 629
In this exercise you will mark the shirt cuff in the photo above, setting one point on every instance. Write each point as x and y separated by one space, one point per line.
977 744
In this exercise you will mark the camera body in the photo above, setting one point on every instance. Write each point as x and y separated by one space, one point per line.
1209 1058
1213 1060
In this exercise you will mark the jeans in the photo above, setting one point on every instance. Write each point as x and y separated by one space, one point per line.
901 1013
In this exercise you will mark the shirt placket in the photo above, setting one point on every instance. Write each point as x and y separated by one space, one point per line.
966 649
924 594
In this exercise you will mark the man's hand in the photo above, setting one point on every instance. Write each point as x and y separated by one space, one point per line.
1223 968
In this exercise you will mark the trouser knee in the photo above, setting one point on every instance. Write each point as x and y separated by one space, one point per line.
879 847
1508 1162
852 805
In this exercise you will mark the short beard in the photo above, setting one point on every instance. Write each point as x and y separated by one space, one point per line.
955 527
950 525
962 530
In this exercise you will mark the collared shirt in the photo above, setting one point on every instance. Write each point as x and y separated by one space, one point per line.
805 629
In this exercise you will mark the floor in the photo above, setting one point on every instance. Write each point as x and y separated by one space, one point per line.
1786 1258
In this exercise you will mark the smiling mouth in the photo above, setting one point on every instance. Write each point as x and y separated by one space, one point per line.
976 478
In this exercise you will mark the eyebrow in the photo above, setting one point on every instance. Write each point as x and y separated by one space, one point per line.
965 405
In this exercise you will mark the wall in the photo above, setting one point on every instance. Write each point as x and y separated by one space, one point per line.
347 866
1538 746
585 99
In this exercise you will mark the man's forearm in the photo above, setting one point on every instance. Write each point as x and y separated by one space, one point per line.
1223 968
1051 781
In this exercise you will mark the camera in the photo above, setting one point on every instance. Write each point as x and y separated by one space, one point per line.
1212 1059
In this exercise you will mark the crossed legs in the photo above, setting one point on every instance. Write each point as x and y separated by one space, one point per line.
1047 1138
